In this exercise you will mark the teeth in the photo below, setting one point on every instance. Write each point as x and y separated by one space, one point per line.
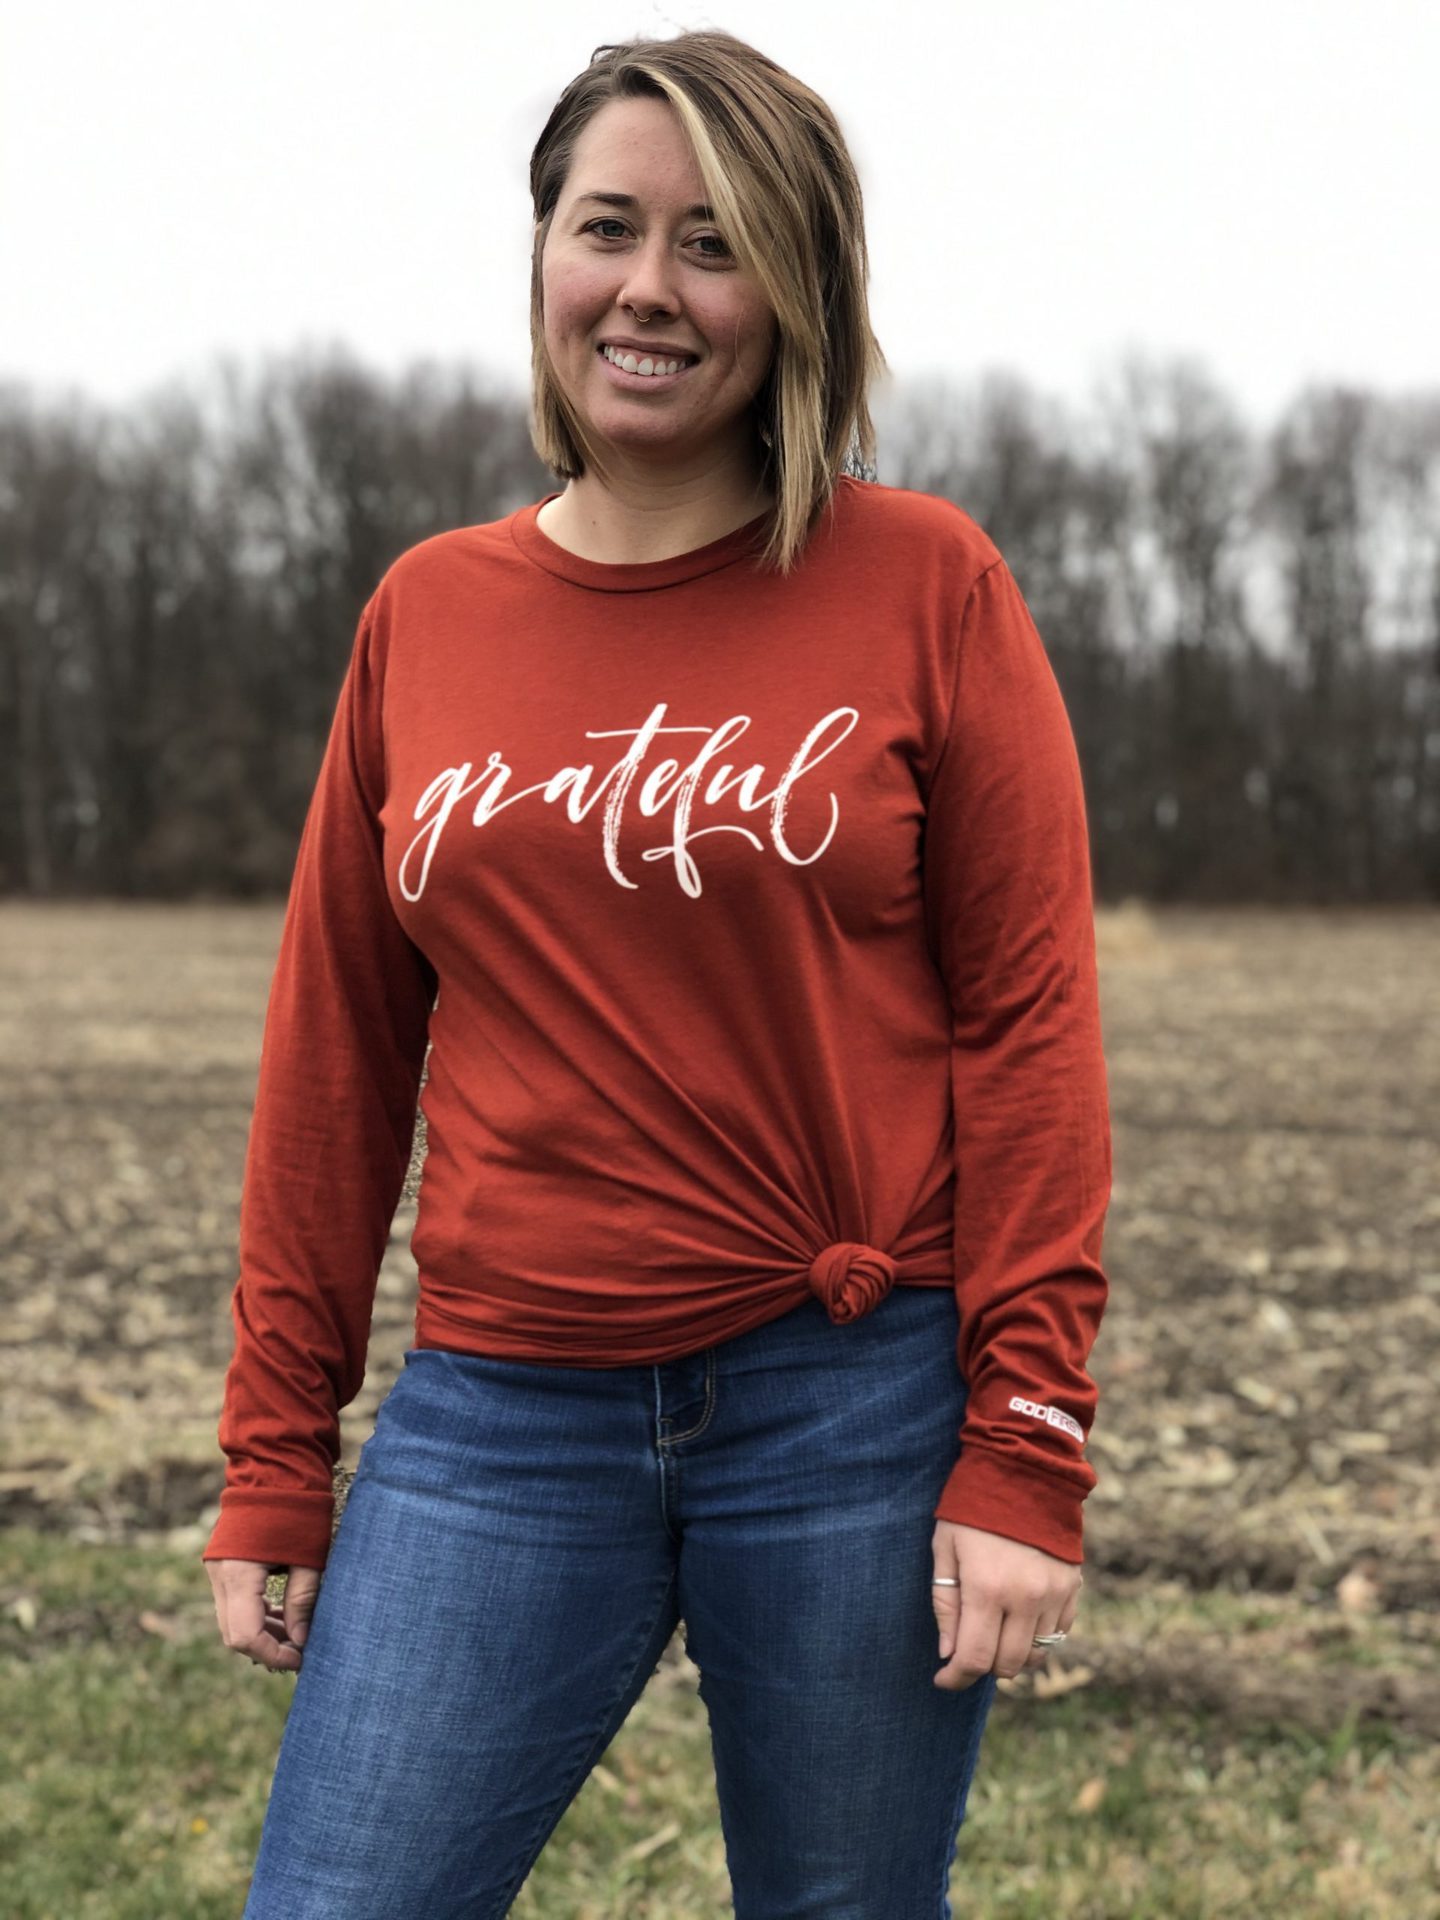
632 363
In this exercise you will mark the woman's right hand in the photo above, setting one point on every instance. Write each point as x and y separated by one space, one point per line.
267 1636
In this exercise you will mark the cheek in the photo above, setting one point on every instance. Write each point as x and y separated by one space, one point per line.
742 334
760 347
757 332
572 296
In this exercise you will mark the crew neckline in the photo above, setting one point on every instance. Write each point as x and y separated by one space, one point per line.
628 576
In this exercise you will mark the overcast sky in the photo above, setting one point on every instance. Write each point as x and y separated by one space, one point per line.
1046 182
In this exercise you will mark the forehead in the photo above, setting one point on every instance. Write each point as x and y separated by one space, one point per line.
631 203
634 152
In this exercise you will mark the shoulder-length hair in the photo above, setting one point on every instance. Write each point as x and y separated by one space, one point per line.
785 191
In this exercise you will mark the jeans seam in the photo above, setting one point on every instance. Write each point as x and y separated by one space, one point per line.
565 1794
959 1811
703 1422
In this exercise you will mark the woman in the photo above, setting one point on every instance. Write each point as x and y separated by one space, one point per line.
729 802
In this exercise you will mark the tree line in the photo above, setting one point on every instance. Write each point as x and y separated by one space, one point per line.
1245 623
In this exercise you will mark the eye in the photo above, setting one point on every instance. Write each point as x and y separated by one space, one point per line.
612 220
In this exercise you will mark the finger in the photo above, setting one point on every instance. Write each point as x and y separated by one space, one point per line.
1037 1656
270 1649
1017 1649
247 1629
946 1604
301 1592
976 1642
219 1593
972 1659
279 1651
1062 1623
274 1625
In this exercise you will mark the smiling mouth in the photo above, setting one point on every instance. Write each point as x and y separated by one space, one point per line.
632 376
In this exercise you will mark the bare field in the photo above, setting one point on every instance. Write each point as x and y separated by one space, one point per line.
1265 1536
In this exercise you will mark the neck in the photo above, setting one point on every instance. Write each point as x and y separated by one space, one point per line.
622 519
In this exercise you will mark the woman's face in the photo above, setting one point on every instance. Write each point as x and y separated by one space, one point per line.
651 269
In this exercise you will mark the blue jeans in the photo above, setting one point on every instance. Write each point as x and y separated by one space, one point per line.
518 1547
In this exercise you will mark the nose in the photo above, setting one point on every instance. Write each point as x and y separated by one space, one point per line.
649 286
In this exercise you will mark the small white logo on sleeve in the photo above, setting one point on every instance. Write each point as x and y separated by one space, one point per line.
1052 1416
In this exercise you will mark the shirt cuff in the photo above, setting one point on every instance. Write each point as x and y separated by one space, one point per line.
280 1529
987 1490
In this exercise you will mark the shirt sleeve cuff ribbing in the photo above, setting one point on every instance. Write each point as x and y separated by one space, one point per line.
987 1490
282 1529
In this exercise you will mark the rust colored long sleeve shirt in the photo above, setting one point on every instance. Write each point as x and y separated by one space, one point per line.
759 914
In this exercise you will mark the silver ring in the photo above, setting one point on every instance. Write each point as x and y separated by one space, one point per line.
1036 1640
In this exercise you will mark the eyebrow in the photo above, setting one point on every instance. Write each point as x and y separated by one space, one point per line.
701 212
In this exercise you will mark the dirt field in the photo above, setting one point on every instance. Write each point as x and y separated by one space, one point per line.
1269 1421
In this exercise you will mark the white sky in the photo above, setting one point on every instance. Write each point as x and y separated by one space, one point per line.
1047 182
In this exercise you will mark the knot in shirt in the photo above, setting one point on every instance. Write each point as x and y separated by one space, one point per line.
851 1278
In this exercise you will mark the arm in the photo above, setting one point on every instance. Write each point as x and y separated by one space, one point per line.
341 1056
1010 919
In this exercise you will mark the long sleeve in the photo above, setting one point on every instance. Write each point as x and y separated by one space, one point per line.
1009 917
342 1052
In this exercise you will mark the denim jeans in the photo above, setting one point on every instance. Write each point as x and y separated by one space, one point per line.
520 1543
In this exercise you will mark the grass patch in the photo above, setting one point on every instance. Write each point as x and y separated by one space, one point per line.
141 1752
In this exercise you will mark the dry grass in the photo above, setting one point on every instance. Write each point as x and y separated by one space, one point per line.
1263 1550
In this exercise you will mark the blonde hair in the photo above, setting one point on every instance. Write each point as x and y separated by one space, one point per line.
785 191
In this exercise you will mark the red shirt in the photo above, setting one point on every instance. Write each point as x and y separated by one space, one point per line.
759 911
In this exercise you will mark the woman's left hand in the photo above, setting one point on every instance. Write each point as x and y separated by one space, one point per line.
1008 1593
